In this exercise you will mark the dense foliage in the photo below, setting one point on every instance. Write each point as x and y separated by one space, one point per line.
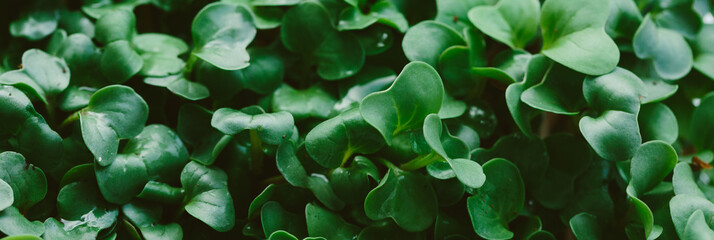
357 119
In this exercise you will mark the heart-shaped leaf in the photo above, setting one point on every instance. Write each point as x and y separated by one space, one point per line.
48 76
701 130
652 162
28 183
292 169
619 90
405 197
521 112
115 25
312 102
120 62
559 91
697 227
352 184
114 113
272 128
498 201
7 197
26 131
323 223
670 55
574 35
704 52
657 122
384 12
207 197
427 40
683 206
416 93
332 142
614 135
156 153
467 171
34 25
12 222
221 32
512 22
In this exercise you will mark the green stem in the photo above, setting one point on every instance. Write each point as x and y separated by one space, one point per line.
256 152
188 69
52 114
70 119
272 180
420 161
346 157
388 164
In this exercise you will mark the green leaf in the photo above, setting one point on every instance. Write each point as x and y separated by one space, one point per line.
704 51
614 135
383 11
292 169
683 181
207 197
585 227
146 218
114 113
512 22
274 217
467 171
559 91
652 162
75 98
114 26
683 206
427 40
370 79
12 222
405 197
98 9
574 35
323 223
34 25
352 184
697 227
160 64
25 131
341 55
498 201
701 130
120 62
619 90
80 203
48 76
509 66
6 195
221 32
416 93
529 154
194 128
156 153
454 13
159 43
302 34
521 112
56 230
180 86
332 142
312 102
28 183
624 19
669 54
657 122
272 128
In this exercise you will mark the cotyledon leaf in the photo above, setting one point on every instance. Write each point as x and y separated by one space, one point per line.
416 93
115 112
272 128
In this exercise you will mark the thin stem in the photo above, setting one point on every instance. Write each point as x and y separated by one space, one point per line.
420 161
70 119
188 69
388 164
272 180
256 152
